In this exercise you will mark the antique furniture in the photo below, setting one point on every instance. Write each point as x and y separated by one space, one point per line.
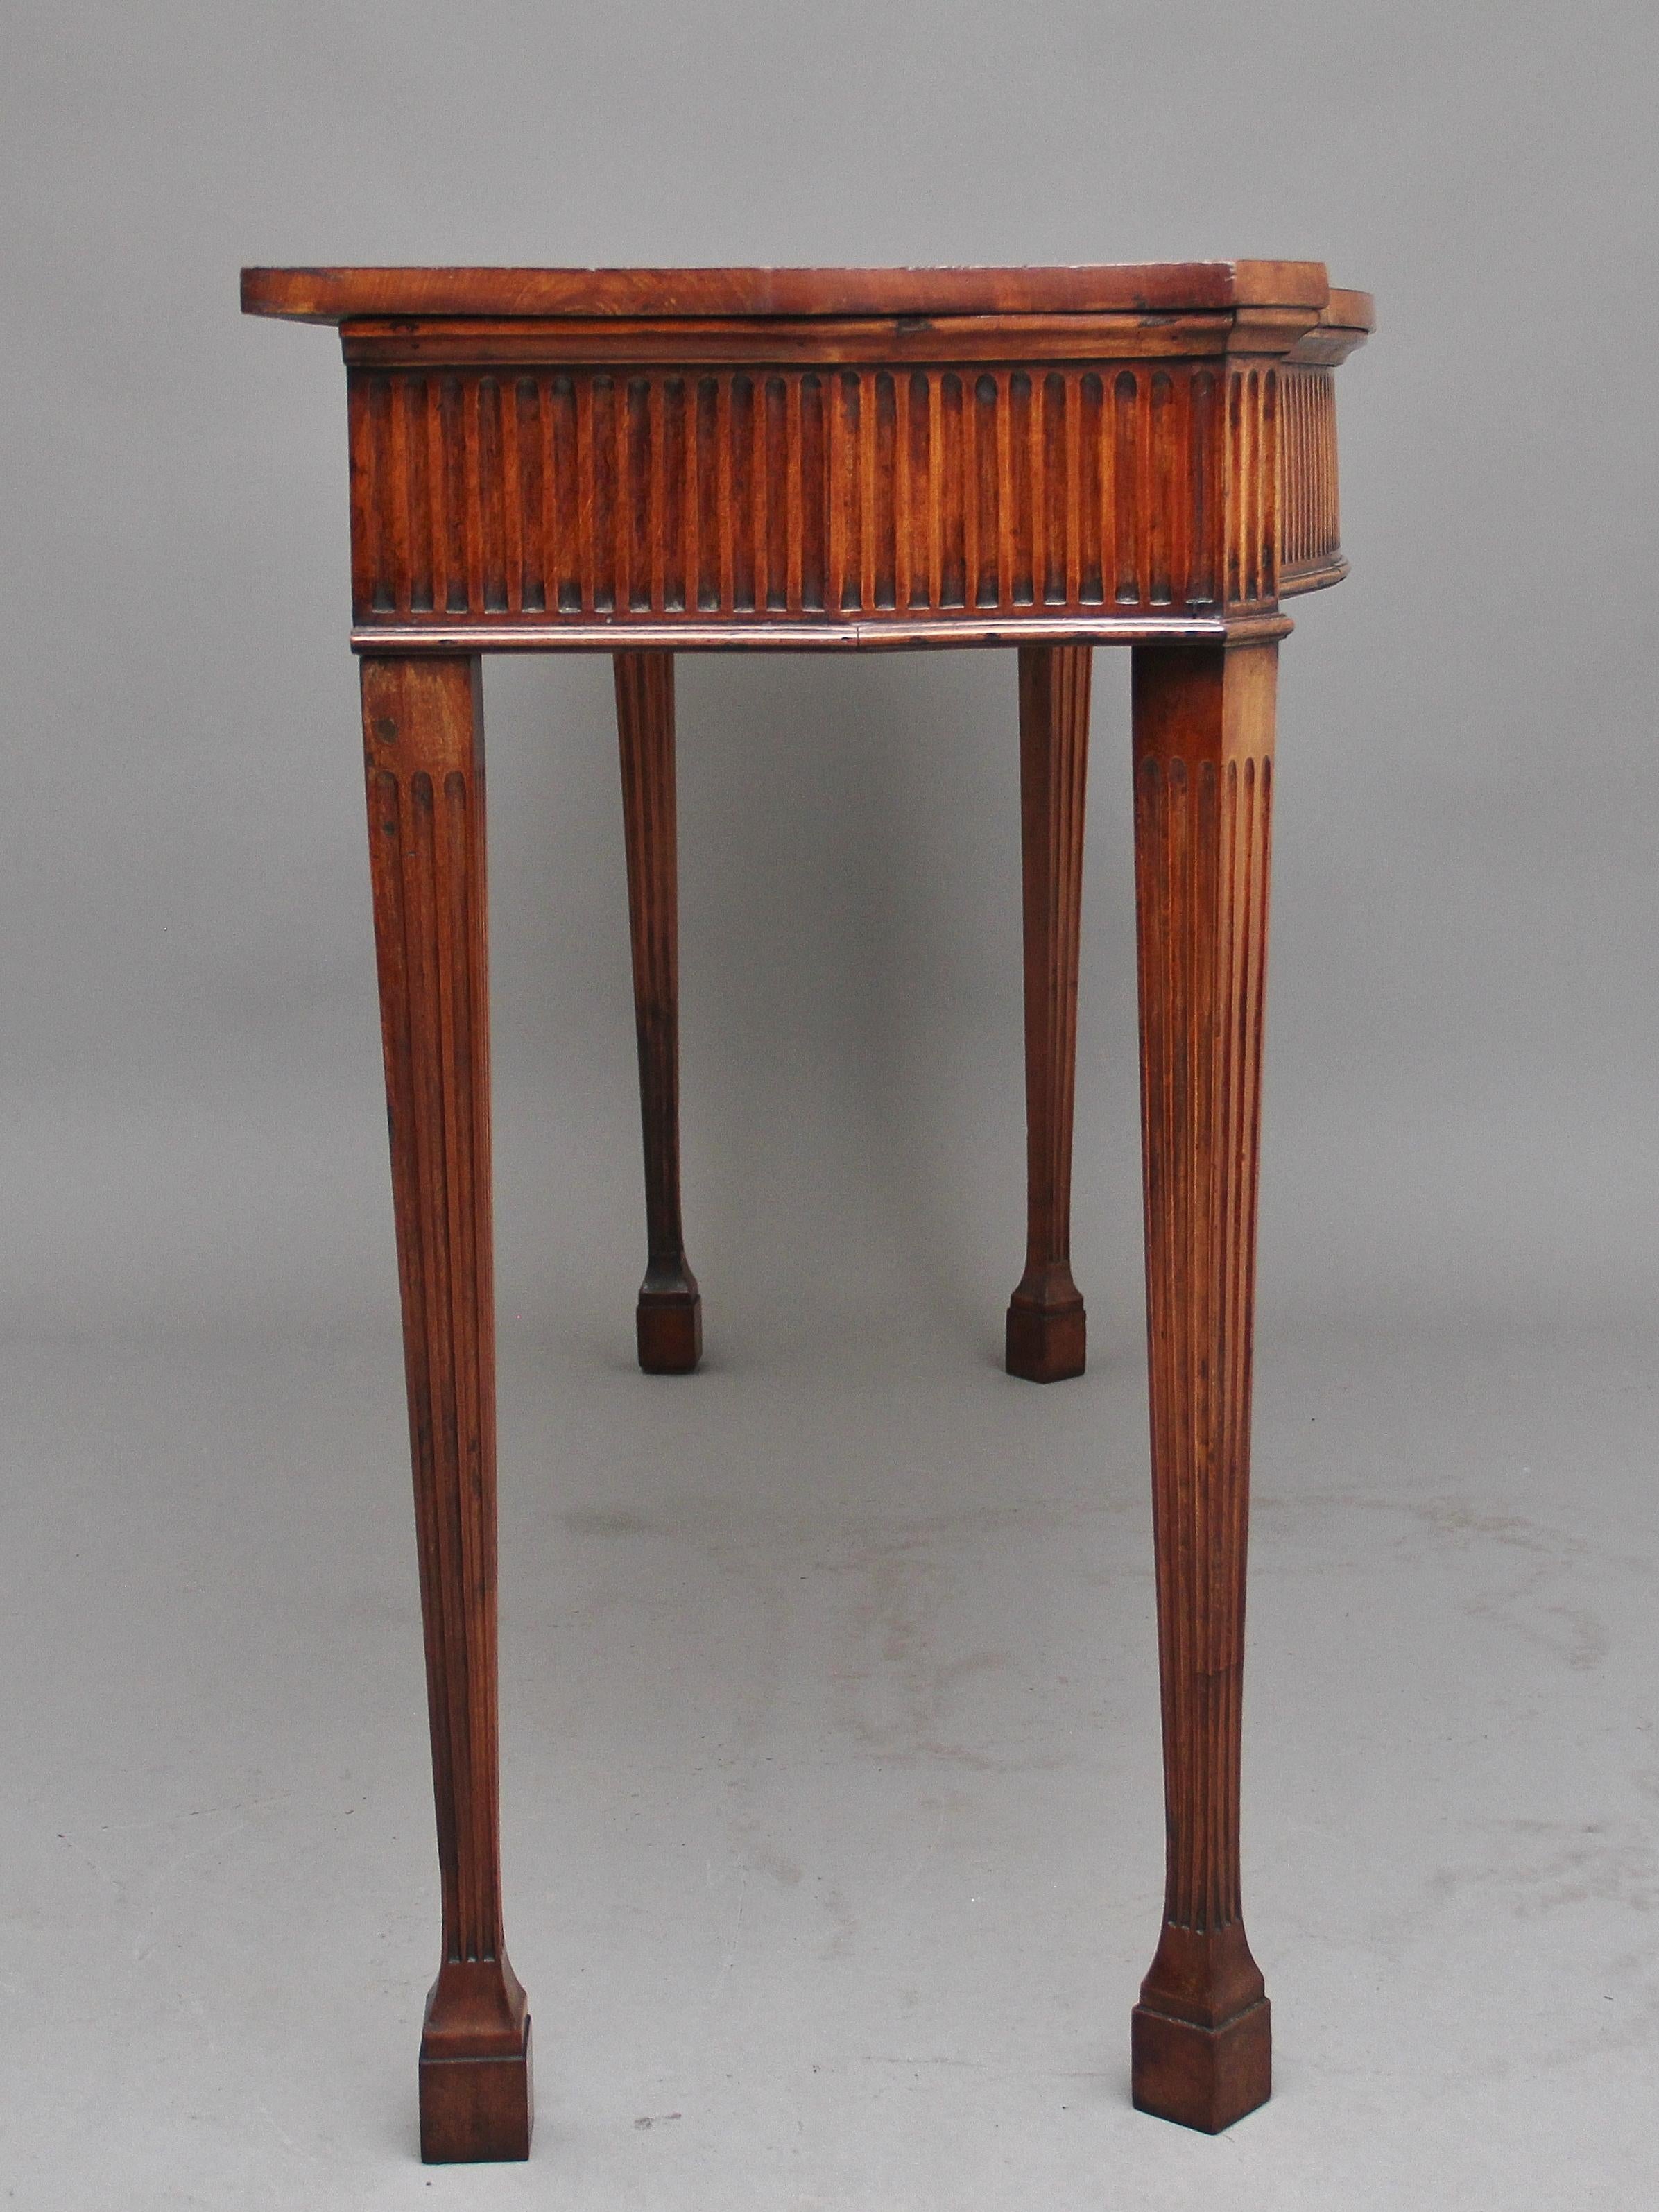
641 462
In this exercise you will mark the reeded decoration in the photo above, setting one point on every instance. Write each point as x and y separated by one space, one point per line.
638 461
898 490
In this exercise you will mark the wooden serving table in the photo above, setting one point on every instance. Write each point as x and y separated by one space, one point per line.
641 462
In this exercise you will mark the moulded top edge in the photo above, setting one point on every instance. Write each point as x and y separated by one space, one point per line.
336 295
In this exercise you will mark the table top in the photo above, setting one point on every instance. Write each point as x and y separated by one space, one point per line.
340 295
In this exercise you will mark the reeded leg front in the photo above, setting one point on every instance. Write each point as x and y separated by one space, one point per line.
670 1316
423 742
1046 1326
1203 770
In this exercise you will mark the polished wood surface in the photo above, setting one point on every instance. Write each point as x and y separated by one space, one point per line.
1203 787
1047 1329
423 748
785 458
669 1320
339 295
645 462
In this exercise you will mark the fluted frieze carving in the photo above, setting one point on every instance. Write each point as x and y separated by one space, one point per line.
886 493
1310 546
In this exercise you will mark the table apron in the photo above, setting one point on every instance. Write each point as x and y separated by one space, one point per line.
796 507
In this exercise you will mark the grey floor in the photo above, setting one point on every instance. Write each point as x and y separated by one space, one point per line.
831 1780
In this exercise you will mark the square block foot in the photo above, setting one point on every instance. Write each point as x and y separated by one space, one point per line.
1046 1346
474 2111
670 1335
1202 2077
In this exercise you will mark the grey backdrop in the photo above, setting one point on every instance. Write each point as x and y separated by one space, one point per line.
833 1827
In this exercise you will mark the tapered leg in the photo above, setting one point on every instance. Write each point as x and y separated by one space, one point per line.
670 1316
1047 1324
1203 766
423 742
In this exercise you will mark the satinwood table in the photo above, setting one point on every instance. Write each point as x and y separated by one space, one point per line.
646 461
